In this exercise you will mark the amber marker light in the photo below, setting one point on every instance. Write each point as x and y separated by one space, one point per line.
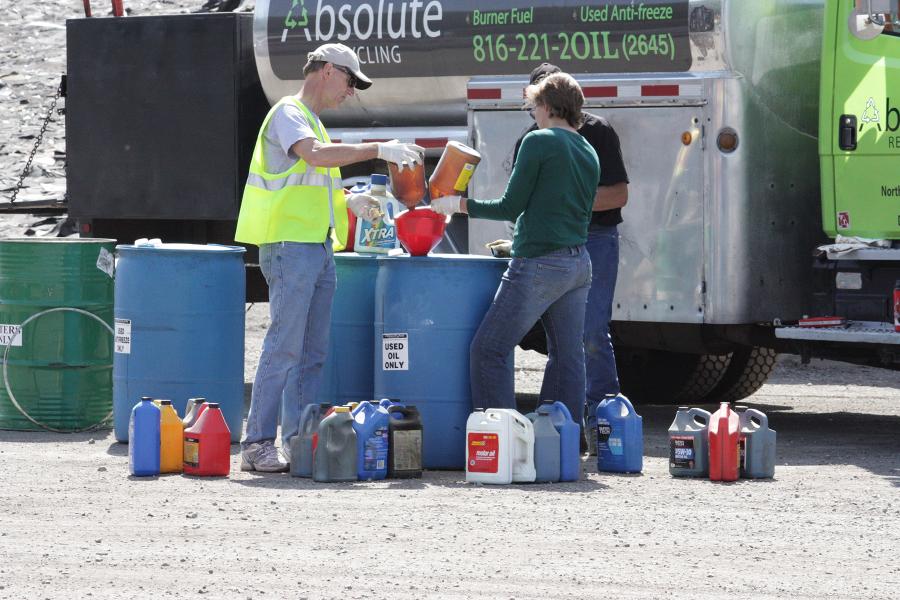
727 140
687 138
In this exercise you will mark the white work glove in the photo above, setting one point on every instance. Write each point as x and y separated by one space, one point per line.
446 205
365 206
404 155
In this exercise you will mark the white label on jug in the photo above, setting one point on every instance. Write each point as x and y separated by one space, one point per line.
395 351
10 335
123 336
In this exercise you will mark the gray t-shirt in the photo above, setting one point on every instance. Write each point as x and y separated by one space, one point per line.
286 127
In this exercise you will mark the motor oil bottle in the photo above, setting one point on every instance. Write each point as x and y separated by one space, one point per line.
192 411
724 449
569 444
371 424
499 447
143 439
689 443
207 445
171 439
302 444
379 236
620 441
404 442
546 447
757 445
590 423
335 456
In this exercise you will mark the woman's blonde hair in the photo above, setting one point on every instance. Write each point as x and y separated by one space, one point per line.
560 94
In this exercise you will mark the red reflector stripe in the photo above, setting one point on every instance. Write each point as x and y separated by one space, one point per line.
600 91
659 90
432 142
483 94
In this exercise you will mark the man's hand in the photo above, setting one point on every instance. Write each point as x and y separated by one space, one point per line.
446 205
400 153
365 206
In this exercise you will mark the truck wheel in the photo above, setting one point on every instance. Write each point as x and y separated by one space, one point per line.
748 371
660 377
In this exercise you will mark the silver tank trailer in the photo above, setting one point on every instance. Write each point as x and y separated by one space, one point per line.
422 53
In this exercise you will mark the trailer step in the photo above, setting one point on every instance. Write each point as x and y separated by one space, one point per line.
866 254
863 332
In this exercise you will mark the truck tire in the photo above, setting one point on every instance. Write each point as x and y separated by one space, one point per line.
660 377
747 372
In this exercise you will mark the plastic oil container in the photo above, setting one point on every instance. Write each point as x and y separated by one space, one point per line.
757 445
171 439
302 444
499 447
546 447
335 455
724 448
404 442
379 236
143 439
590 423
689 443
620 441
569 443
371 424
207 445
454 170
192 411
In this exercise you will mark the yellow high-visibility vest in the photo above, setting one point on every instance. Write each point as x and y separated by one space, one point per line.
297 205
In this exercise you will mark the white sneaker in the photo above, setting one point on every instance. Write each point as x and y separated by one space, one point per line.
263 457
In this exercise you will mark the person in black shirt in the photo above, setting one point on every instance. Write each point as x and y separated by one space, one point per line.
603 247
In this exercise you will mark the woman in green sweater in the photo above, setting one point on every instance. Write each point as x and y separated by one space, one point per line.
549 197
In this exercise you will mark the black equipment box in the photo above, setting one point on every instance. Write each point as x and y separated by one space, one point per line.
161 116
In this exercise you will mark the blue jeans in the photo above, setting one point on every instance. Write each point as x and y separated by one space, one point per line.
554 289
599 358
302 280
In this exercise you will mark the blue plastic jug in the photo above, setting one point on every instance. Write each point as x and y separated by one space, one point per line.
620 441
143 439
370 421
386 403
546 447
569 444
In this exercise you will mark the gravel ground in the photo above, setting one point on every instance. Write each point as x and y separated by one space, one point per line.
73 524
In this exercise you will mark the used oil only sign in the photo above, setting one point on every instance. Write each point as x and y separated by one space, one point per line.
395 351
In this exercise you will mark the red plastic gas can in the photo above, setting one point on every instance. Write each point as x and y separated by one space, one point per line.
207 445
724 444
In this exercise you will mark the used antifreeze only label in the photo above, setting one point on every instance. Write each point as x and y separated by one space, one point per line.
123 336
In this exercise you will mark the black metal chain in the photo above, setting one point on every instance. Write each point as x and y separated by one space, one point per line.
37 144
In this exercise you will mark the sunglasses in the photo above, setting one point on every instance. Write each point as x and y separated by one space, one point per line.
351 78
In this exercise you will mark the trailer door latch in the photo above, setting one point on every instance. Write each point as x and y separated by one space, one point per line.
847 132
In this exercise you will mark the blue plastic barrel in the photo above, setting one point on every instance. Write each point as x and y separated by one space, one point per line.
179 320
347 374
427 309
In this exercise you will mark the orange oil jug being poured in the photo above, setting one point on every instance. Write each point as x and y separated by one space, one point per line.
454 169
408 183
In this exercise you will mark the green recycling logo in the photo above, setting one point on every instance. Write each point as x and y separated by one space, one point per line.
298 8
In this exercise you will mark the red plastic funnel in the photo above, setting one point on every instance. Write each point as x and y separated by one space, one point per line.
420 229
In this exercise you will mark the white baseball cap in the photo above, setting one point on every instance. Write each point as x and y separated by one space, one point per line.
343 56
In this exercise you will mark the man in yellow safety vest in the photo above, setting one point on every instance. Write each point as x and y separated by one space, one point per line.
293 205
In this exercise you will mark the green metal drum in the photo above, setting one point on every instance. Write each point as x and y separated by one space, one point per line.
56 342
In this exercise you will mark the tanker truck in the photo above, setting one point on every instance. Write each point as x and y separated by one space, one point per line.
753 133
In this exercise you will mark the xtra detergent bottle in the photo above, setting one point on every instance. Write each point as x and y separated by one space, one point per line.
757 444
724 448
689 443
371 424
569 444
143 439
379 236
171 440
302 444
620 442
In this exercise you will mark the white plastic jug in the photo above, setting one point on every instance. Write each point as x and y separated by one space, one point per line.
499 447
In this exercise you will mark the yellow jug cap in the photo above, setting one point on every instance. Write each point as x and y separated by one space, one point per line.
342 409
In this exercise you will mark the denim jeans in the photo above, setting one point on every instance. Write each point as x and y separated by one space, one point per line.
599 358
554 289
302 280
